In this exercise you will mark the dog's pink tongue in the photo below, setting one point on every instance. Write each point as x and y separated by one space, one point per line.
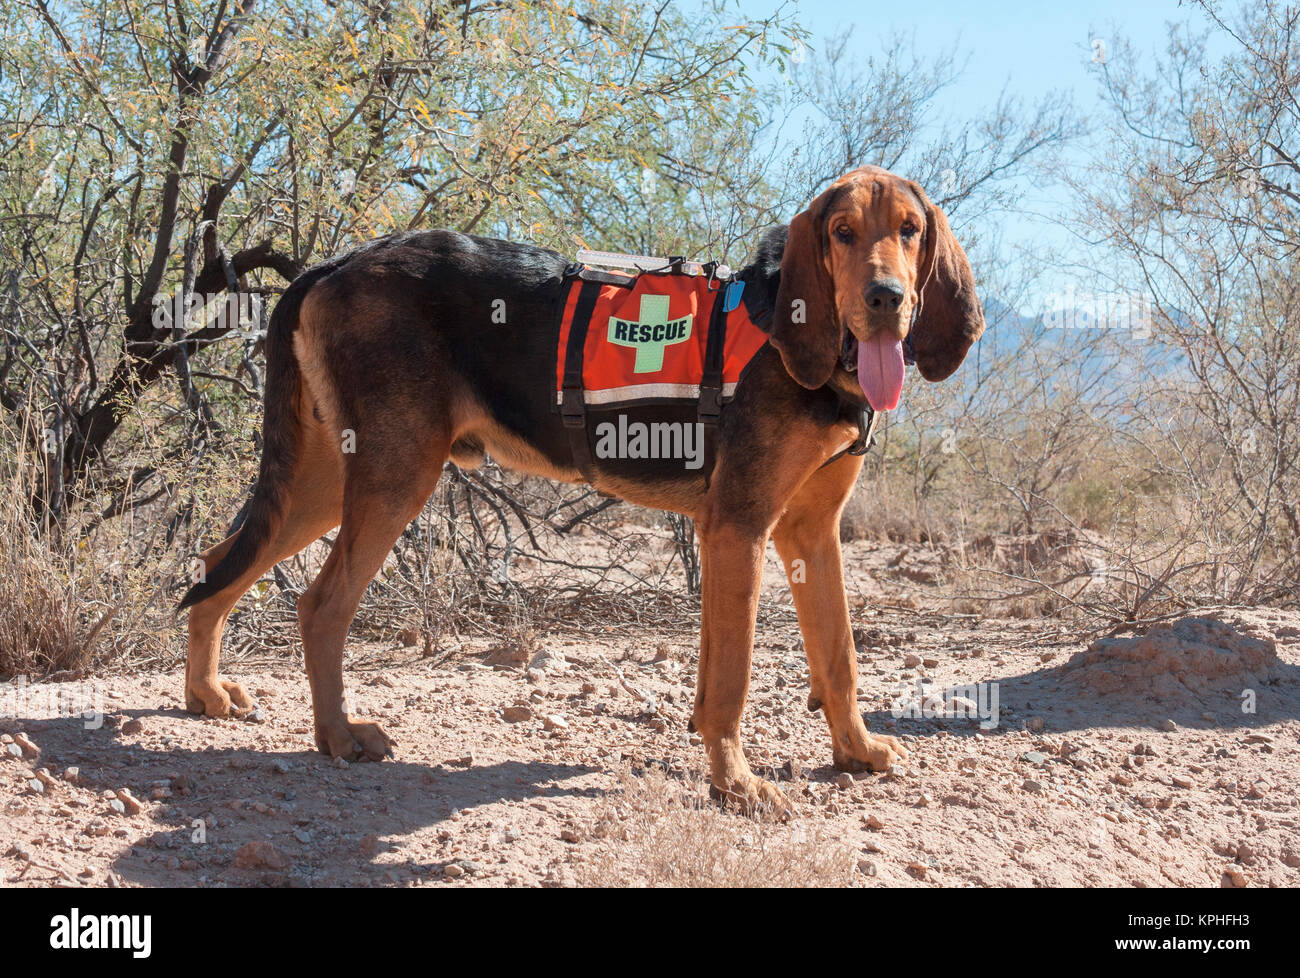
880 371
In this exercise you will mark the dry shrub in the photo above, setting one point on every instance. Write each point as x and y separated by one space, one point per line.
45 626
661 832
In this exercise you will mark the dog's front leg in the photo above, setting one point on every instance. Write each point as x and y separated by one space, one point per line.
808 539
731 560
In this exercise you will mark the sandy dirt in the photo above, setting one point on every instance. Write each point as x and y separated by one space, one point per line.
1169 759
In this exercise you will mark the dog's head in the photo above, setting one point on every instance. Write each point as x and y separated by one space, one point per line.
858 263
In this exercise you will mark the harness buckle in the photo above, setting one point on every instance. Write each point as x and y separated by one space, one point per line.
710 405
573 410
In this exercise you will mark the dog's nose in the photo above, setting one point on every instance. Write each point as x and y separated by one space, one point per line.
885 295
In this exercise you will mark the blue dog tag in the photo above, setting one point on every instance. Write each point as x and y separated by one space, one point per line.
732 298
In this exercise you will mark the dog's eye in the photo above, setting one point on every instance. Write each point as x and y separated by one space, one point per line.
844 233
908 229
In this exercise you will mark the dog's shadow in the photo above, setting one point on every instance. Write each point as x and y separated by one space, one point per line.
325 824
1054 696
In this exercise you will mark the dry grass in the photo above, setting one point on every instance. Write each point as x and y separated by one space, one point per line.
44 627
661 832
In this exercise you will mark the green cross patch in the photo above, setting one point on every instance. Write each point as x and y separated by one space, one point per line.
650 334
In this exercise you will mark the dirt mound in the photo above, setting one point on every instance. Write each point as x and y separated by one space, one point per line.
1191 655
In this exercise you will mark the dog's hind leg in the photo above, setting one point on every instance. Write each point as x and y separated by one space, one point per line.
380 499
313 508
808 539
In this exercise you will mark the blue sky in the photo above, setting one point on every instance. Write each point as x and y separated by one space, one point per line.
1024 48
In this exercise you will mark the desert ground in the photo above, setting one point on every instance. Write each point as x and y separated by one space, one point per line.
563 758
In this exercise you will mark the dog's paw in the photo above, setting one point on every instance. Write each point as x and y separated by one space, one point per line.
870 753
222 699
753 796
354 740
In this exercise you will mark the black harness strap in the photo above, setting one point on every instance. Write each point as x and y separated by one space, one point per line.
866 436
573 409
709 410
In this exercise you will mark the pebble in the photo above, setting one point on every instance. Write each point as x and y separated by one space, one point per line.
260 855
1233 878
133 726
1032 786
516 714
25 744
873 823
866 867
130 803
1036 724
1182 782
453 871
911 660
1168 726
844 780
569 835
1036 758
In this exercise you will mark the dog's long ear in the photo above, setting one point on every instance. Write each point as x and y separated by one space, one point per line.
950 319
805 322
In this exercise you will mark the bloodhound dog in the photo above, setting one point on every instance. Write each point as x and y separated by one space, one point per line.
395 345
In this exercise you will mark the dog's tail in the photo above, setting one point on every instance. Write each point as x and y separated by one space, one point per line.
281 429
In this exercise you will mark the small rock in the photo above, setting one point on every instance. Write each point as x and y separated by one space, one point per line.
866 867
844 780
1233 878
1182 781
569 835
130 804
72 775
911 660
261 855
1032 786
873 823
26 745
133 726
1259 738
1036 724
1168 726
1036 758
930 663
516 714
453 871
548 661
35 786
918 870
